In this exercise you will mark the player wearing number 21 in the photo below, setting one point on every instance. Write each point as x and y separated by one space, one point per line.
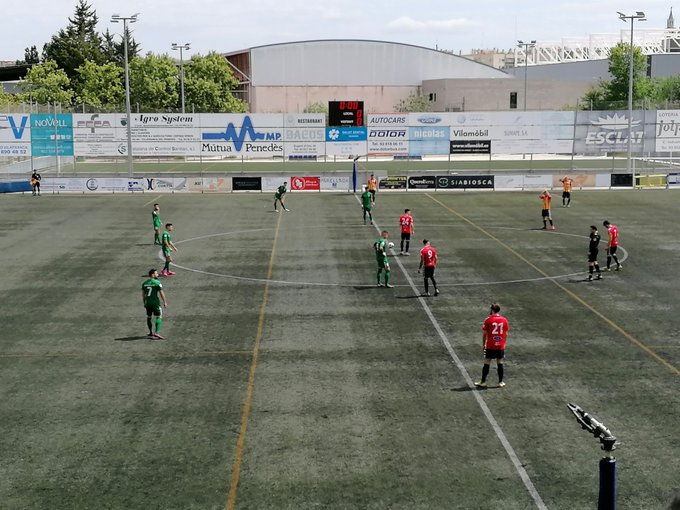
495 330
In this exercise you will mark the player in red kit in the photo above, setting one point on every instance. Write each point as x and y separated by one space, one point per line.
612 245
428 259
406 223
495 330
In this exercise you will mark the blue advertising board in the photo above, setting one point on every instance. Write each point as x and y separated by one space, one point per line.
51 134
429 140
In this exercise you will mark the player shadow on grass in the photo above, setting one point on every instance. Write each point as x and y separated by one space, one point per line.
131 338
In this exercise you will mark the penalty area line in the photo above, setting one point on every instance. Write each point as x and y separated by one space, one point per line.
468 380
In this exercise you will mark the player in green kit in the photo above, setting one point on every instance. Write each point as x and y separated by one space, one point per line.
279 195
367 203
155 215
380 247
168 247
152 293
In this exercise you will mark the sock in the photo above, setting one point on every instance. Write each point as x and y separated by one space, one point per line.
545 223
157 238
378 275
434 282
616 259
590 270
485 372
159 322
407 245
427 287
148 324
370 216
609 261
500 372
597 266
166 267
387 277
275 205
364 216
568 201
402 246
551 222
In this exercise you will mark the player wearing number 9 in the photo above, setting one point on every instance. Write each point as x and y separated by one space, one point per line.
495 330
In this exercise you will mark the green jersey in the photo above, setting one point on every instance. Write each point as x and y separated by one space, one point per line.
152 289
366 198
166 239
156 219
380 246
280 192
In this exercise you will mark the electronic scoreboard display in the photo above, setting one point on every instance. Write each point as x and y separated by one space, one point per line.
345 113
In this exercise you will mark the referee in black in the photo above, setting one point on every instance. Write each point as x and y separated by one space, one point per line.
593 249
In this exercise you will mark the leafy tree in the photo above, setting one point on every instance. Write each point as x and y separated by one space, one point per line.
77 43
317 107
7 99
619 68
208 85
114 51
46 83
415 102
154 83
31 56
102 85
668 88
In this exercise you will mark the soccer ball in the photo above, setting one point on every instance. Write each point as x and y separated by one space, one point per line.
390 245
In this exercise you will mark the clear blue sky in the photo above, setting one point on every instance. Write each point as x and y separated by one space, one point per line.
229 25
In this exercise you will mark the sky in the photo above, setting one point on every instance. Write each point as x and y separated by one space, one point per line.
229 25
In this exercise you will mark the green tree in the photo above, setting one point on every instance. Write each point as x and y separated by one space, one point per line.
45 83
208 85
7 99
317 107
154 84
31 56
113 49
668 88
101 85
415 102
78 42
619 68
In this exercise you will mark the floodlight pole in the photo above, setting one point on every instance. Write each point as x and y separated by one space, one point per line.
640 16
527 46
181 47
127 19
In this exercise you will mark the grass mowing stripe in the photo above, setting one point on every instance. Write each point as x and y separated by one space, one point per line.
152 200
638 343
468 380
240 444
125 355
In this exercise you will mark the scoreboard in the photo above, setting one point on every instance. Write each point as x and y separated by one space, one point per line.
345 113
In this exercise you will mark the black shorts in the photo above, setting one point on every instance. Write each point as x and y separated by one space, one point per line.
592 256
429 272
545 213
372 192
494 353
566 194
612 250
154 310
405 236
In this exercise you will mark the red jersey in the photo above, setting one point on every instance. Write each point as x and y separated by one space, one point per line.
613 235
495 331
429 256
406 222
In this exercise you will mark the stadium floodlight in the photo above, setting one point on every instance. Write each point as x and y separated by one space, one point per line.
639 16
116 18
181 47
527 46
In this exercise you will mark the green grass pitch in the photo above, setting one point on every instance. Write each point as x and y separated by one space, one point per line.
288 381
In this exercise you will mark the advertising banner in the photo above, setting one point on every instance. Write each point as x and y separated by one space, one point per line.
580 181
537 181
667 131
209 184
305 184
387 120
165 184
598 132
430 119
51 134
304 120
673 180
99 134
106 185
346 141
387 140
59 184
392 182
470 147
249 136
429 140
317 149
162 134
427 182
465 182
272 182
304 141
246 183
15 135
334 183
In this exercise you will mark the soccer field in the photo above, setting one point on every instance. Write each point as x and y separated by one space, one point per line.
287 380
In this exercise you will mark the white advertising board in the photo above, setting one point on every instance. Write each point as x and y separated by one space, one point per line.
667 131
15 135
